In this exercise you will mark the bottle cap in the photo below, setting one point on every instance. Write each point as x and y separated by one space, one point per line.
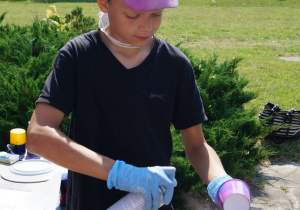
17 136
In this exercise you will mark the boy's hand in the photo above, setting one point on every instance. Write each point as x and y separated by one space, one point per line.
214 186
231 186
145 181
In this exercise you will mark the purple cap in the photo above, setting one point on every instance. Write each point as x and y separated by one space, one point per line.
149 5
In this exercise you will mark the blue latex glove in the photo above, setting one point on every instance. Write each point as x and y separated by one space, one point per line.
145 181
214 186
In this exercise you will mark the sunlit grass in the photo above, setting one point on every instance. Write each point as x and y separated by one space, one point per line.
258 34
23 12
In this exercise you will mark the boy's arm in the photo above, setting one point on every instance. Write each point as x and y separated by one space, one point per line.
207 163
203 158
44 139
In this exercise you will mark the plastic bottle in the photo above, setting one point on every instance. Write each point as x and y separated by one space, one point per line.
133 201
63 188
17 141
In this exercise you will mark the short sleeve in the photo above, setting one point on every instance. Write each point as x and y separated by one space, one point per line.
188 107
59 88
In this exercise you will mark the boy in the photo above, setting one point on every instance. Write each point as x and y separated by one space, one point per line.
124 87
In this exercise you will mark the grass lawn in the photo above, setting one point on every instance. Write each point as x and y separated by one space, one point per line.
260 31
23 12
259 34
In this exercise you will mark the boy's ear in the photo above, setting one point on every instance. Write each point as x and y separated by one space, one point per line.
103 5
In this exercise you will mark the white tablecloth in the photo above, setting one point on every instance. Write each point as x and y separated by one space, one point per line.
33 196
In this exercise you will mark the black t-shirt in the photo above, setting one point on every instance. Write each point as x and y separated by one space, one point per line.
121 113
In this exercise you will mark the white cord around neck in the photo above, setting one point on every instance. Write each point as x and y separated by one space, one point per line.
103 23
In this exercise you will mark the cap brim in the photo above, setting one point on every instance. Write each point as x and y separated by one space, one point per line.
149 5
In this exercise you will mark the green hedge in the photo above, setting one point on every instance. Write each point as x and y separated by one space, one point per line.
231 130
26 56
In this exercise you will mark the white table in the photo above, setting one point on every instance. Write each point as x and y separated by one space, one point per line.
12 190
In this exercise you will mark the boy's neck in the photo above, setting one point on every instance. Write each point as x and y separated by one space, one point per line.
129 57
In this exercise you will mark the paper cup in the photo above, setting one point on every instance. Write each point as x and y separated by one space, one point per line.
234 194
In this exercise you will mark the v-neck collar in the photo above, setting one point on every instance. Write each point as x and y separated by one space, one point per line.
120 65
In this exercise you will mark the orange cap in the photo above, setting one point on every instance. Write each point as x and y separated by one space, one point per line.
17 136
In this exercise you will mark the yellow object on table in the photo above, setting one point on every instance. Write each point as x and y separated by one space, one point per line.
17 136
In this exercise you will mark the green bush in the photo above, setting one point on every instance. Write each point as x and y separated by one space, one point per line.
2 17
26 57
75 21
79 22
231 130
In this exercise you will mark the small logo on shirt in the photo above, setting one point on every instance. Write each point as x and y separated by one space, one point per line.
156 96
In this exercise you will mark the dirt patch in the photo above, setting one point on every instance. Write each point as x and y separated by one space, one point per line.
197 202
